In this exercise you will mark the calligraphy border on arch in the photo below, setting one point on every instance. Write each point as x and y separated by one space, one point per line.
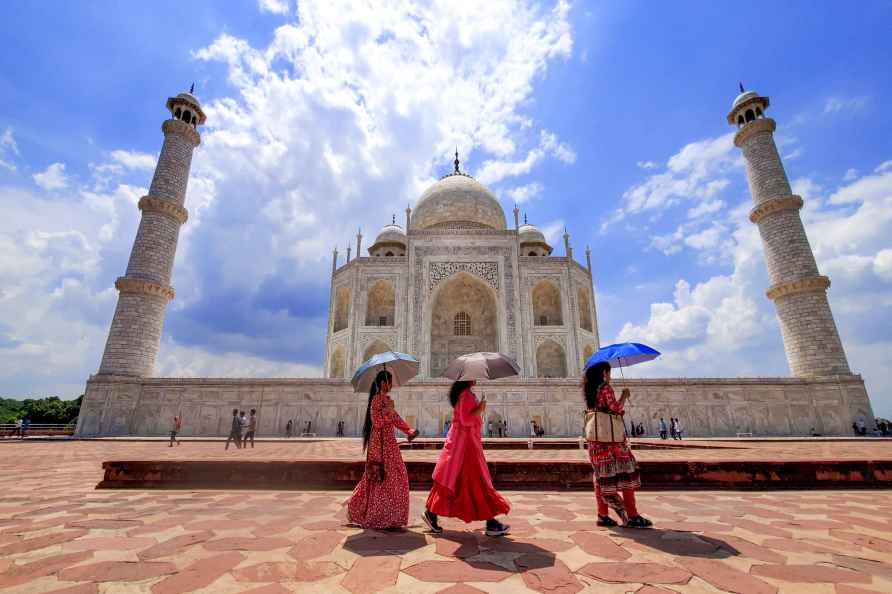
488 272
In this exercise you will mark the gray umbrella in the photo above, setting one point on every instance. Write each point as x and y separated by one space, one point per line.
474 366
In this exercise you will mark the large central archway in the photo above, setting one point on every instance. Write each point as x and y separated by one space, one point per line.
464 319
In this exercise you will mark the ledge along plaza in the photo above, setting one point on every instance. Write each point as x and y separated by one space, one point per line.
457 278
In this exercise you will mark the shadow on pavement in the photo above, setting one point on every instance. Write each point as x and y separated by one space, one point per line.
679 543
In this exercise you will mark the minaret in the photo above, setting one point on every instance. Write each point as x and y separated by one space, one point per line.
359 242
798 290
568 251
144 290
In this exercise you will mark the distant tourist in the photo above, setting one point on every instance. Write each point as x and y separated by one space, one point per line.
673 427
663 429
614 466
340 431
381 499
814 433
308 428
26 424
501 426
17 431
862 427
289 428
540 430
489 428
679 429
235 431
177 425
446 424
532 428
462 484
252 427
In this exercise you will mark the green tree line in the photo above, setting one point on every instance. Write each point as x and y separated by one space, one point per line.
51 409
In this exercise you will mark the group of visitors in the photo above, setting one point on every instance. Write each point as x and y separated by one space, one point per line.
463 486
536 430
673 430
497 428
340 431
636 429
21 428
242 429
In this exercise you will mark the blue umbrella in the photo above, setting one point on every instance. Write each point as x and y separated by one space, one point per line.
401 366
623 354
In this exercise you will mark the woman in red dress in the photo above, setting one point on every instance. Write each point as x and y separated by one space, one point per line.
382 504
614 468
462 484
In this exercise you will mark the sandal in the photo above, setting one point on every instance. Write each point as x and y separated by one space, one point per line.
606 522
639 522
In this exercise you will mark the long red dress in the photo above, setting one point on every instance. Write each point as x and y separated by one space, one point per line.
614 464
383 504
462 484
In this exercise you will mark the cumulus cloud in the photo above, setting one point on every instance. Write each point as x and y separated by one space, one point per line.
134 160
52 178
647 164
273 6
8 148
848 104
496 170
525 193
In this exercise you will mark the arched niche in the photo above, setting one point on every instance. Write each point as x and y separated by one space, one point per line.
381 304
550 360
464 319
342 305
336 364
378 346
547 305
587 352
585 310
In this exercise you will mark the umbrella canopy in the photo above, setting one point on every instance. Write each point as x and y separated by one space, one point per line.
401 366
474 366
623 354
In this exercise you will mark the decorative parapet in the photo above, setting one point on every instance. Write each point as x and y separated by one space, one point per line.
183 129
135 285
806 285
165 207
488 272
792 202
754 127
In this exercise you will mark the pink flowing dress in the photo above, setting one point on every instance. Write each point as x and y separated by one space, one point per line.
383 504
462 484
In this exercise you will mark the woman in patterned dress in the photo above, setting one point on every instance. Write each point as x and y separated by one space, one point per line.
614 468
462 484
382 504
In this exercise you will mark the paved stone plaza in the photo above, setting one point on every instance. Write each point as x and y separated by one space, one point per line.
59 534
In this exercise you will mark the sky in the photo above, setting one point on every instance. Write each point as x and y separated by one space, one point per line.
607 118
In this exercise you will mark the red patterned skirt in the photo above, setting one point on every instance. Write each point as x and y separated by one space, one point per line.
614 467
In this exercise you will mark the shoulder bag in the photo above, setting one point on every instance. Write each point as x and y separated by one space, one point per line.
604 427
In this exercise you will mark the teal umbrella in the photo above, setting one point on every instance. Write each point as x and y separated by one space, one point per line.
402 368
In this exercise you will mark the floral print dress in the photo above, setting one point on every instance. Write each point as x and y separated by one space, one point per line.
382 504
614 464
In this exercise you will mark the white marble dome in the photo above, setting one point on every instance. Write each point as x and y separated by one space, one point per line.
530 234
458 201
392 233
743 97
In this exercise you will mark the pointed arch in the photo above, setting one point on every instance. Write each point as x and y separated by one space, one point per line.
381 304
342 305
336 365
550 360
466 304
585 310
547 304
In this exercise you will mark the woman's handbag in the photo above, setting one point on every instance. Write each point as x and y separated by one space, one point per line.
604 427
375 469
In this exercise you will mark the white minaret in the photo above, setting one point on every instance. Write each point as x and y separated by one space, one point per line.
144 290
798 290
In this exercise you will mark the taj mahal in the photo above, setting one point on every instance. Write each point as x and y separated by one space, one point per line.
456 276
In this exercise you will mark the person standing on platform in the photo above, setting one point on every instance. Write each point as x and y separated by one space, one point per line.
381 498
679 430
462 484
235 431
17 432
26 424
663 429
252 427
614 468
445 427
289 428
177 425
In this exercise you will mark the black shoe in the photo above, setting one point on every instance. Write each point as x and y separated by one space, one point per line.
606 522
496 528
639 522
430 519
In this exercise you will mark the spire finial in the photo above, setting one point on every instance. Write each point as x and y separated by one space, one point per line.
393 222
524 218
192 89
741 86
456 160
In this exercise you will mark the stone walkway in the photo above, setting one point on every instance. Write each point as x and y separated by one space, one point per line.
58 534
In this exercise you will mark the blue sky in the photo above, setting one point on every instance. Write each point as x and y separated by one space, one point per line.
608 118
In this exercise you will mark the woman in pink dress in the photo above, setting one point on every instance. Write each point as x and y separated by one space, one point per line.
462 484
377 503
614 468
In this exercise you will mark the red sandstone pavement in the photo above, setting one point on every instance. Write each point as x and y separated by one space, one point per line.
58 534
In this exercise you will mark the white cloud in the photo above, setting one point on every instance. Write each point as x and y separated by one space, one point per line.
52 178
273 6
705 208
884 166
849 104
882 265
134 160
525 193
496 170
8 145
850 175
647 164
552 231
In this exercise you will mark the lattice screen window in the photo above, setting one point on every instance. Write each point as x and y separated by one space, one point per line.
382 321
462 324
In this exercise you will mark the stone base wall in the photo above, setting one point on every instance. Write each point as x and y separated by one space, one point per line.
706 407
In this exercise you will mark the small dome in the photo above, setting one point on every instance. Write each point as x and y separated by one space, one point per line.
187 101
458 201
530 234
743 97
392 233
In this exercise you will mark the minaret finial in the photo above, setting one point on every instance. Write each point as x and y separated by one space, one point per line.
741 86
192 89
524 218
456 160
393 222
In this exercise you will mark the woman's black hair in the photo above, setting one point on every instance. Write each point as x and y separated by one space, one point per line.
591 383
456 390
382 377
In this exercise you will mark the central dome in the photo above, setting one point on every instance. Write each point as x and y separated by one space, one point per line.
458 201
